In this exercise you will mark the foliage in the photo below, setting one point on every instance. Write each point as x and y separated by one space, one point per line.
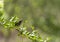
42 14
10 24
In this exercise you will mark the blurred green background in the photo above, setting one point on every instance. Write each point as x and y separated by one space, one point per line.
44 15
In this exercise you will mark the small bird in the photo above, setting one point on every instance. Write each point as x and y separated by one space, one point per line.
18 23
